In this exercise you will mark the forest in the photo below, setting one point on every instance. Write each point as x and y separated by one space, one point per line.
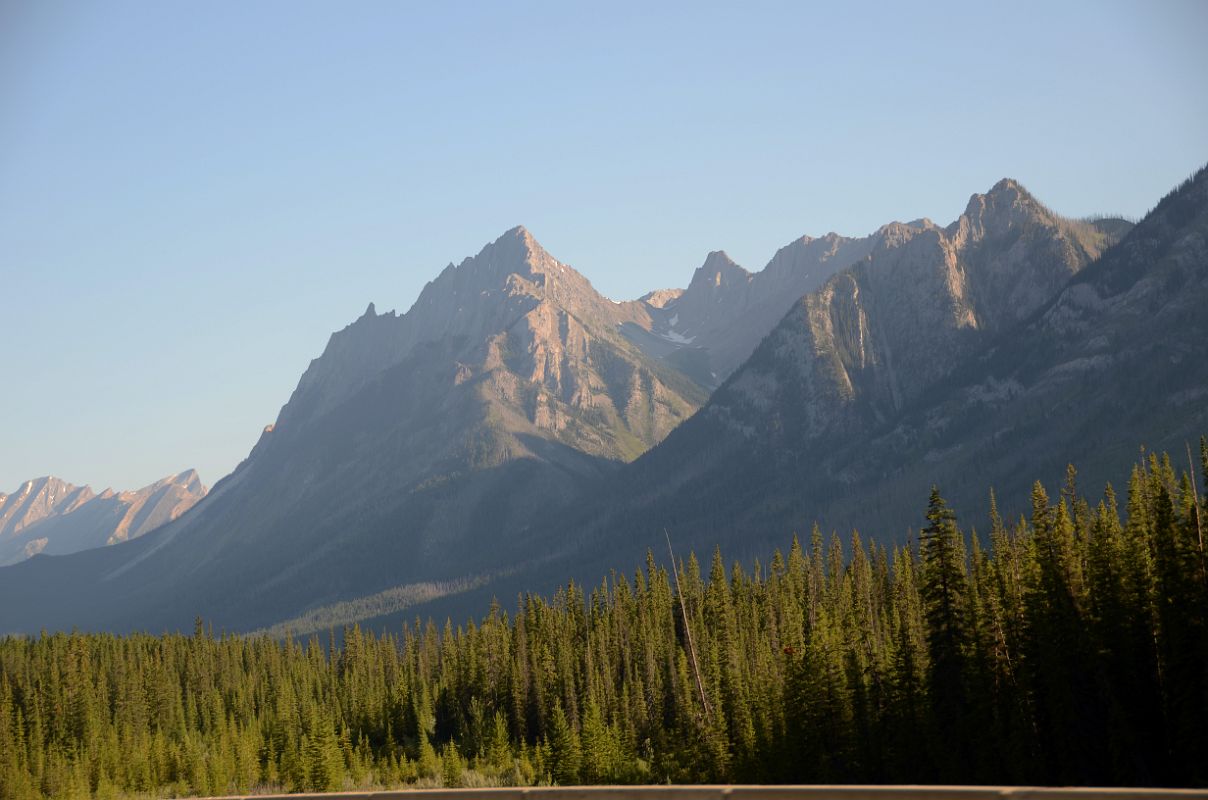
1066 647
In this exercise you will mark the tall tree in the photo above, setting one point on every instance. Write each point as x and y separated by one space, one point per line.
944 591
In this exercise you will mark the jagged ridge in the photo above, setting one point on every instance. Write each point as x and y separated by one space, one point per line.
49 515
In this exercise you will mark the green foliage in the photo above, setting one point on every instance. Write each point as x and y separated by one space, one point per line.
565 751
452 765
1071 648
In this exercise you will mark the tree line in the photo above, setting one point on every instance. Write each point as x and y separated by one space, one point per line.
1067 647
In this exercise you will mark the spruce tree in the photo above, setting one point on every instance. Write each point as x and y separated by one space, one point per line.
944 592
566 755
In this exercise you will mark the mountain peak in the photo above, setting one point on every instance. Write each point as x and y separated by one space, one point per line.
718 259
188 477
1006 185
50 515
515 247
659 298
1009 193
1006 205
719 270
522 236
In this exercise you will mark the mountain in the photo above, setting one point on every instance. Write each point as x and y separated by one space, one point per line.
866 344
711 327
491 439
1118 356
546 341
843 415
48 515
416 448
798 432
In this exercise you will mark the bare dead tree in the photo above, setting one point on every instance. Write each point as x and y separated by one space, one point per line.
700 685
1199 527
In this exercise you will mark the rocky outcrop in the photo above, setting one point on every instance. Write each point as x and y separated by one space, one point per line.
877 335
711 327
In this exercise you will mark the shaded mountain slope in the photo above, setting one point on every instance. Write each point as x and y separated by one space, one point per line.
1118 358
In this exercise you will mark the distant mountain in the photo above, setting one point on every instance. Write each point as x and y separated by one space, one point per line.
711 327
416 448
48 515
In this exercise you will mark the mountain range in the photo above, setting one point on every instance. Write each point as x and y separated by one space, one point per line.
514 427
48 515
987 354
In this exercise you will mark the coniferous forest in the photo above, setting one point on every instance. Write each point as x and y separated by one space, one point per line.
1066 647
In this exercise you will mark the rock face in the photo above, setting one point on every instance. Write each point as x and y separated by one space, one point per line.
841 414
1116 359
533 336
416 447
711 327
48 515
1003 257
871 340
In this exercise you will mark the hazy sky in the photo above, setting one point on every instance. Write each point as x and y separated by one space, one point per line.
194 195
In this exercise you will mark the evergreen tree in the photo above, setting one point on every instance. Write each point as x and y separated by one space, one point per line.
1072 650
565 753
944 592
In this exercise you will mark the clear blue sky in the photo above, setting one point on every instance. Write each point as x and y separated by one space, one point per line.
194 195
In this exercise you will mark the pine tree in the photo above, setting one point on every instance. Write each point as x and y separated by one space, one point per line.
565 753
452 766
944 592
324 762
1073 650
